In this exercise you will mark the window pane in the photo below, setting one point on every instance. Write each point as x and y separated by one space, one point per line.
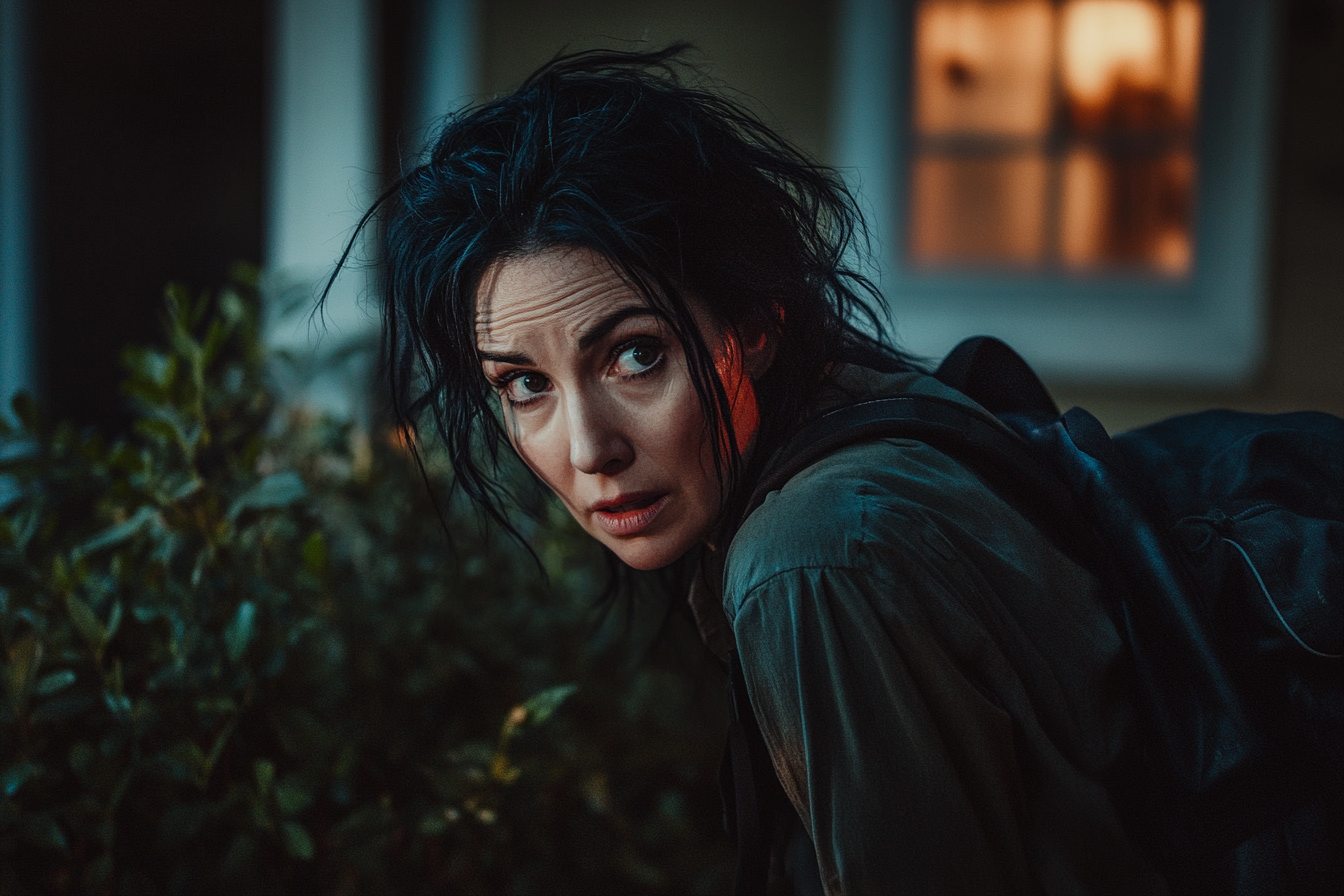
1129 64
978 209
983 68
1186 25
1126 211
1054 133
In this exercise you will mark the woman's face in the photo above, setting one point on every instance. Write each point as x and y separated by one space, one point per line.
598 399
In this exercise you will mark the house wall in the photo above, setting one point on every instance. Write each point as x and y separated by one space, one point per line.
775 53
148 157
780 55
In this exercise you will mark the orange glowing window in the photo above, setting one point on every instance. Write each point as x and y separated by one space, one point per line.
1054 134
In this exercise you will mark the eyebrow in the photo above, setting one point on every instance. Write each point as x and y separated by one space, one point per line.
607 324
590 338
520 360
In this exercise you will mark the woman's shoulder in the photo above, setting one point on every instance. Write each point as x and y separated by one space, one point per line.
874 498
827 515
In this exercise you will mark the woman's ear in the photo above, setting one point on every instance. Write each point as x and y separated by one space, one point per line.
758 345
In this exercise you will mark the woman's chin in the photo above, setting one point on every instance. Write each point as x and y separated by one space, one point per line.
647 553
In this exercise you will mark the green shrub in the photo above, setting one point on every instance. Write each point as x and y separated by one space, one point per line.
241 655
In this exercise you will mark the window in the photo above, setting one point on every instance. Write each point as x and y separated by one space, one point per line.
1084 178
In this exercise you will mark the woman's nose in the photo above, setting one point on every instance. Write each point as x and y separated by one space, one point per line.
597 440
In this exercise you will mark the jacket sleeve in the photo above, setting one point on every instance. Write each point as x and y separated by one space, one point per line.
905 774
932 738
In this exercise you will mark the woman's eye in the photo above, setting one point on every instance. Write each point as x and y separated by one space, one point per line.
525 387
637 358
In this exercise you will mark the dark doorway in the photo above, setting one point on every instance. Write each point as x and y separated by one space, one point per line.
149 167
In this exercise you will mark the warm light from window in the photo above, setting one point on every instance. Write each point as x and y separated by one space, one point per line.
1109 46
984 68
1055 134
980 207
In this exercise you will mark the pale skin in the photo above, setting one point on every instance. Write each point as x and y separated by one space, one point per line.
599 402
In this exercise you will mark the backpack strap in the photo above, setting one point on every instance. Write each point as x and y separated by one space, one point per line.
997 378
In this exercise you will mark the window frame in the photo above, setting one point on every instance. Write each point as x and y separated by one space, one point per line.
1206 328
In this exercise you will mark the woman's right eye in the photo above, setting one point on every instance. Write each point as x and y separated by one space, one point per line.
525 387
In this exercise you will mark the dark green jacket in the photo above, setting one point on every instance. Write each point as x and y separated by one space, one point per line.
939 686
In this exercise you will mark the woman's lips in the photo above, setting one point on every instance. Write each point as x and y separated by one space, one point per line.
630 514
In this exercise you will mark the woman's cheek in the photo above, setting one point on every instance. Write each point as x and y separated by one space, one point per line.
530 442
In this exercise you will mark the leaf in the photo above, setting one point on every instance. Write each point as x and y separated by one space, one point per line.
502 770
185 490
177 298
151 366
216 706
231 306
18 454
238 634
114 620
315 554
24 528
432 825
168 426
118 704
42 831
25 409
86 623
298 843
238 866
119 533
157 430
300 732
264 771
15 776
245 274
279 490
62 708
291 798
24 658
114 681
216 336
542 706
217 750
184 761
54 683
183 342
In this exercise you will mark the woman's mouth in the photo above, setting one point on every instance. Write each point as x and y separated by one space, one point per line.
630 514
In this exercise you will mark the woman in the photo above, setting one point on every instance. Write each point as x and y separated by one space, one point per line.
644 292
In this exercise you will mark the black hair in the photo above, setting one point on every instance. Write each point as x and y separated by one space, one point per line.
684 190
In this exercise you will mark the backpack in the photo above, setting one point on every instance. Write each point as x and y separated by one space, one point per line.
1219 539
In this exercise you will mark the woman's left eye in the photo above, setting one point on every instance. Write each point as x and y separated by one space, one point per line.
637 358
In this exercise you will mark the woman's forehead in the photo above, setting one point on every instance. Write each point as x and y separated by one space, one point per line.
559 290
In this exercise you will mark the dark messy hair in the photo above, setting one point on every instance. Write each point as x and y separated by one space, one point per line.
685 191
